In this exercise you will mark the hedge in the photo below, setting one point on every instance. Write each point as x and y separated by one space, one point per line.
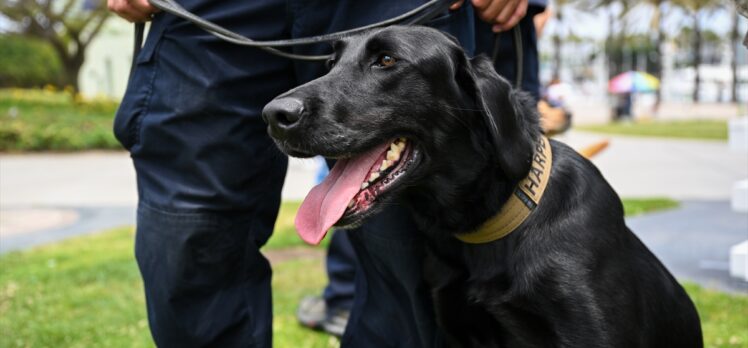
27 62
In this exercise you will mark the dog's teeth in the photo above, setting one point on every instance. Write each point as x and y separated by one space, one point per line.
364 185
393 156
402 140
374 176
384 165
395 147
351 204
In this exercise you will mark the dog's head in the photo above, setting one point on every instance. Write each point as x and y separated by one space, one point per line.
402 109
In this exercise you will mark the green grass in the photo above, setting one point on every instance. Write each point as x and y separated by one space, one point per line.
86 292
38 120
724 318
638 206
292 280
692 129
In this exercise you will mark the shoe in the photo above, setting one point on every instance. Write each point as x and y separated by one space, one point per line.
336 321
314 314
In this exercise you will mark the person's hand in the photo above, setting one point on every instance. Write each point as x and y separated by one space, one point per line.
503 14
132 10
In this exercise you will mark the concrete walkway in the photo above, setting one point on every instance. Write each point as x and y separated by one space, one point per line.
678 169
694 241
84 220
49 197
98 190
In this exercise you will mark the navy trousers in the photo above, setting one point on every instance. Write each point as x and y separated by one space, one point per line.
209 178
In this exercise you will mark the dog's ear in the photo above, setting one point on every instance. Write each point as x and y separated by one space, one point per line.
508 114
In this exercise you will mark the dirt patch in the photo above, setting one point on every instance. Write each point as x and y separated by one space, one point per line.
19 221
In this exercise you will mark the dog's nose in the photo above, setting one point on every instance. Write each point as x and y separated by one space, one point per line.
283 113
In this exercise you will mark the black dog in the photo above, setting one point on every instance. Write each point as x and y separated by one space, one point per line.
410 117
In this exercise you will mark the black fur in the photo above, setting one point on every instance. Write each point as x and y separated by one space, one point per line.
572 275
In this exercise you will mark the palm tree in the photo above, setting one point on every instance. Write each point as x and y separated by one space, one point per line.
557 42
696 8
657 23
734 44
613 17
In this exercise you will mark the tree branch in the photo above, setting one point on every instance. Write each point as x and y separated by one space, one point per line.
96 29
66 9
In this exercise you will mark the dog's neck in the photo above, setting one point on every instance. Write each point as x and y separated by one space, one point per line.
464 194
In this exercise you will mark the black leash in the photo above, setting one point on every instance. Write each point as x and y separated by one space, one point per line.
416 16
518 64
419 15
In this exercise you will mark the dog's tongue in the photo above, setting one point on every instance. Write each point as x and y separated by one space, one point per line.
326 202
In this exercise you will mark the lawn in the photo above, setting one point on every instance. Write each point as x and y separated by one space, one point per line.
46 120
691 129
637 206
86 292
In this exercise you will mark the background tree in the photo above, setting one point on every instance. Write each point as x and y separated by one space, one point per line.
696 9
68 26
558 9
657 24
735 46
616 11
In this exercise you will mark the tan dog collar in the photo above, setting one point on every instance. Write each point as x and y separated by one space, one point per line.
521 203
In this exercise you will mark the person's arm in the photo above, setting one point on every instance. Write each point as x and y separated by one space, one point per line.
503 14
132 10
540 20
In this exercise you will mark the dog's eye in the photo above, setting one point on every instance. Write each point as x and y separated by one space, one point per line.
386 60
330 63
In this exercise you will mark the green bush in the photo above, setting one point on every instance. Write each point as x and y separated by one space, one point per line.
47 120
27 62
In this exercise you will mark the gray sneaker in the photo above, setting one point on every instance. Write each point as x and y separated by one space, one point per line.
313 313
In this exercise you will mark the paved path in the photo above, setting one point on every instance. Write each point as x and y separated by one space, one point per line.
49 197
98 190
596 110
84 179
694 241
86 220
679 169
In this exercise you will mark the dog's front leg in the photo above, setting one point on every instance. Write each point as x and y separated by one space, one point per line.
465 324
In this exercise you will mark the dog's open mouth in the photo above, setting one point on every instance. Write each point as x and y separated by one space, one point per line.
352 188
385 171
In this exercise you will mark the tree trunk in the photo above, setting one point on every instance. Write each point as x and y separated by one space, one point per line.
556 56
658 49
609 42
70 75
696 57
557 46
71 67
734 45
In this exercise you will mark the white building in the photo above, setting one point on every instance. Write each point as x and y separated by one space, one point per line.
108 60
